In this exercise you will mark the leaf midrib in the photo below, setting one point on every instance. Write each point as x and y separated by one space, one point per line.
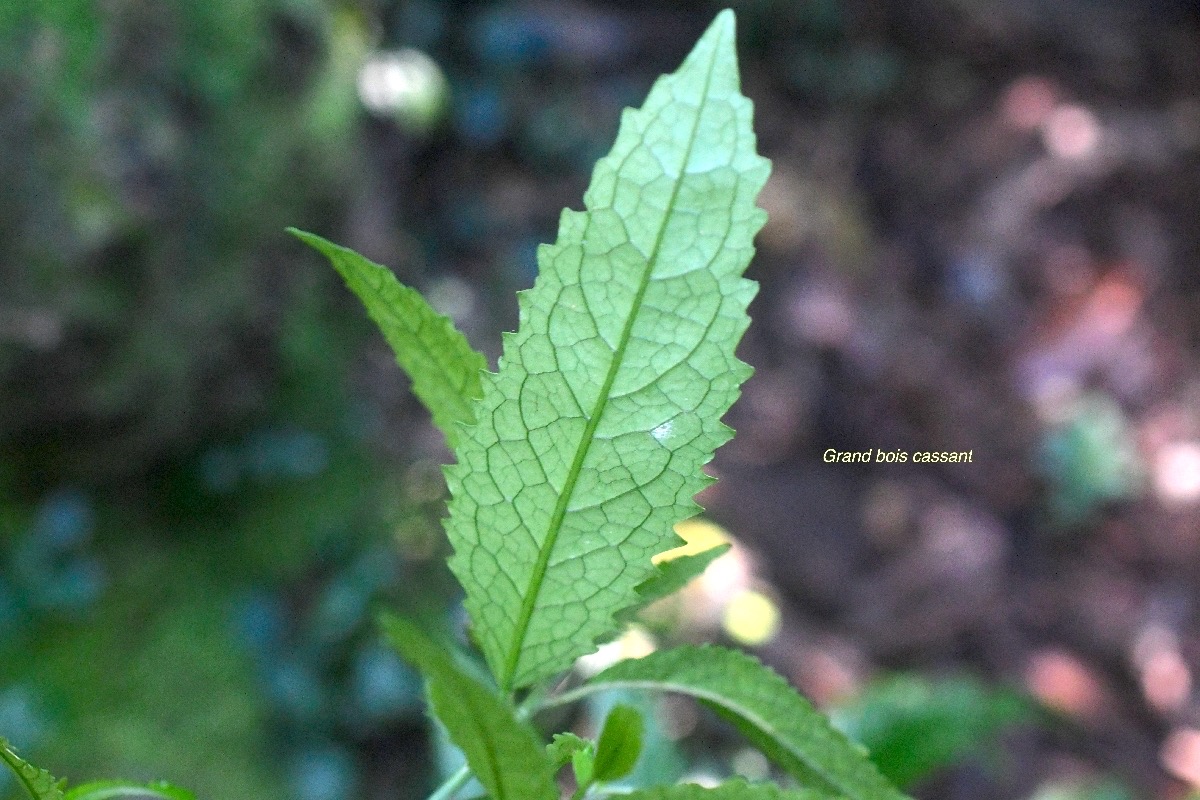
529 601
493 760
22 769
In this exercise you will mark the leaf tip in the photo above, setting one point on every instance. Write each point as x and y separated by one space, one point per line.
723 30
726 20
318 243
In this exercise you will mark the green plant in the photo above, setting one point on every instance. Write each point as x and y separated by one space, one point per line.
915 725
579 454
41 785
232 101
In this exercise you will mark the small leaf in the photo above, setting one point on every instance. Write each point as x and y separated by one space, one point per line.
619 745
767 710
503 752
39 783
443 367
117 790
673 575
915 726
731 790
592 434
563 746
583 764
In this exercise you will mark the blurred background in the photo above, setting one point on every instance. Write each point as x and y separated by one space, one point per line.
982 237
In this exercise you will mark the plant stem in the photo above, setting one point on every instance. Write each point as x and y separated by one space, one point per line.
452 784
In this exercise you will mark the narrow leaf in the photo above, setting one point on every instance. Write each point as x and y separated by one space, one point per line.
619 745
503 752
732 790
768 711
673 575
116 790
583 764
443 367
591 437
37 782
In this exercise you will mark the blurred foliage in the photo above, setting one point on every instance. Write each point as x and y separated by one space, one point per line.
154 151
1090 459
915 726
246 633
106 695
154 338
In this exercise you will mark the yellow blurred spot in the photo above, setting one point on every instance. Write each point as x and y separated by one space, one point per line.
751 618
699 534
635 642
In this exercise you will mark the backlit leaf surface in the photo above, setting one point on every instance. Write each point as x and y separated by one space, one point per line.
591 436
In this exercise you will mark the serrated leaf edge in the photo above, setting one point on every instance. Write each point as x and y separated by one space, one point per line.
722 701
692 566
39 783
450 420
721 32
529 601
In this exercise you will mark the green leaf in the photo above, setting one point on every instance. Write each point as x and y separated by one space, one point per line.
673 575
444 369
619 745
39 783
765 708
564 746
117 790
583 764
732 790
503 752
915 726
607 403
